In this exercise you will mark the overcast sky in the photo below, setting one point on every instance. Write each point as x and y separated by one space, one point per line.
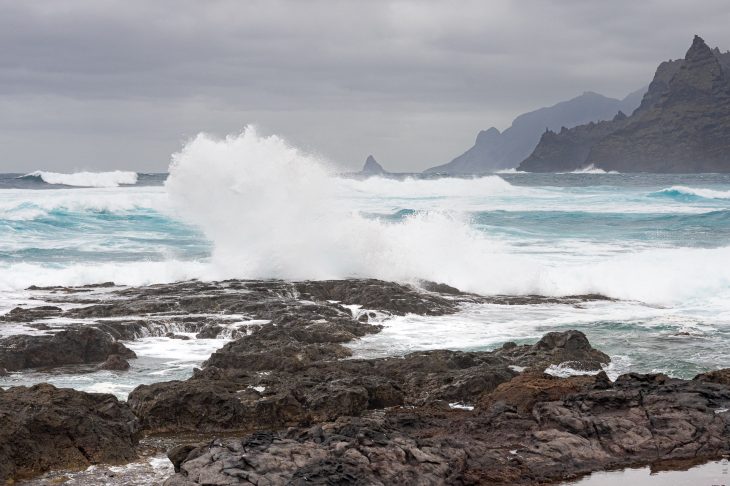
106 84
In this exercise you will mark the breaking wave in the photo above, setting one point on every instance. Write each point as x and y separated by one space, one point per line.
684 193
272 211
85 179
590 169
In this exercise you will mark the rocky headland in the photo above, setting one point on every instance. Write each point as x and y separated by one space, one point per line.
494 150
285 402
681 126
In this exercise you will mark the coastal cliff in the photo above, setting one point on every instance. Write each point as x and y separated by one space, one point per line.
681 126
495 150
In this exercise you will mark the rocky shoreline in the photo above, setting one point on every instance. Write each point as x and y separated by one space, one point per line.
284 402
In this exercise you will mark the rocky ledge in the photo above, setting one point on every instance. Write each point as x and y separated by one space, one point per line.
72 345
44 428
531 430
296 408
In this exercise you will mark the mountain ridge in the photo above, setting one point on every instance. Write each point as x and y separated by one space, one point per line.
494 150
681 125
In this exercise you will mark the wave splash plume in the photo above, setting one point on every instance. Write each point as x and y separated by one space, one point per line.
272 211
85 179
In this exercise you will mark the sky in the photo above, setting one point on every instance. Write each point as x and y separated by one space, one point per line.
122 84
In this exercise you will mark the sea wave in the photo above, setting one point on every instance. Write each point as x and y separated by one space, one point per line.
85 179
445 187
684 193
590 169
31 205
510 171
276 214
18 276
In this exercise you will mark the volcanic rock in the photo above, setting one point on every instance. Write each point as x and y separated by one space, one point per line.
75 345
21 314
583 425
372 167
114 362
44 428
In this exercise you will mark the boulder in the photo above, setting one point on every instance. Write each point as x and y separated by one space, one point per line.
114 362
554 348
44 428
75 345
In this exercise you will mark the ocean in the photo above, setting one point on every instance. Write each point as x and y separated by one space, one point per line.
254 207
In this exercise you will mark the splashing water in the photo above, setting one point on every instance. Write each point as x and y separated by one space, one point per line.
272 211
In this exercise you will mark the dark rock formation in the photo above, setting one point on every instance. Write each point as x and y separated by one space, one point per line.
539 430
570 348
44 427
682 125
372 167
21 314
320 417
114 363
291 372
75 345
494 150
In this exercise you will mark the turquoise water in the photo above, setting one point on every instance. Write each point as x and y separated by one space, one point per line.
658 244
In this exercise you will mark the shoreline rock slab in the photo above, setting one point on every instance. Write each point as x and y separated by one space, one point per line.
43 427
73 345
592 424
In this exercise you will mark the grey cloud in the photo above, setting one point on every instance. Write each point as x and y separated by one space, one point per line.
110 84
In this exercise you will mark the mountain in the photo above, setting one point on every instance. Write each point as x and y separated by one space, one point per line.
494 150
682 125
372 167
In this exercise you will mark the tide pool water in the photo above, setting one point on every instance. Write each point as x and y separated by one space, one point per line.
254 207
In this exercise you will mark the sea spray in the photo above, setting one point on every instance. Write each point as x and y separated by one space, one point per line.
273 212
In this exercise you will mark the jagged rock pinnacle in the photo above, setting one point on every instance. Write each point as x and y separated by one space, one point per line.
372 167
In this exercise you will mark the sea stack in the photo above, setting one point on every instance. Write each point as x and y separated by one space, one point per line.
372 167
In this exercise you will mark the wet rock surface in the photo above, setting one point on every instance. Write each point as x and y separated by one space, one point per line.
115 363
44 427
293 370
590 424
73 345
21 314
296 408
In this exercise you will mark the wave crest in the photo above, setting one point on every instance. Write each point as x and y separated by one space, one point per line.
590 169
85 179
684 193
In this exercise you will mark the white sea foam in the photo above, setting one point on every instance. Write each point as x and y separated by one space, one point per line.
21 275
28 204
87 179
679 191
272 211
445 187
590 169
510 171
